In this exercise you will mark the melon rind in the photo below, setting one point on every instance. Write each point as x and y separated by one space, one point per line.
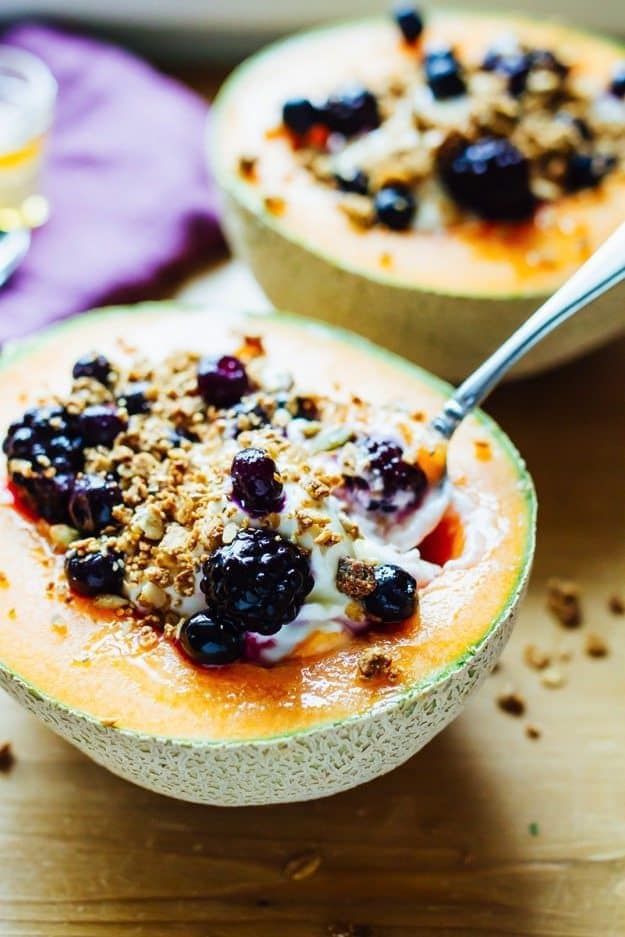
449 333
304 764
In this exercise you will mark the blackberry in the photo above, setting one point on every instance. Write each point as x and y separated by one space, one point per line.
391 483
443 74
48 495
585 171
46 439
259 581
351 112
92 501
394 207
222 381
210 642
395 595
134 400
492 178
255 487
95 573
410 22
100 424
299 115
95 366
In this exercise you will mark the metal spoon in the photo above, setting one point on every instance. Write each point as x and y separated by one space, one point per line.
603 270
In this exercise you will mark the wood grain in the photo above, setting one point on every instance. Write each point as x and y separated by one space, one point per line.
441 846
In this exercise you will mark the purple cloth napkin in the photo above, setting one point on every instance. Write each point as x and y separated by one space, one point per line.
133 208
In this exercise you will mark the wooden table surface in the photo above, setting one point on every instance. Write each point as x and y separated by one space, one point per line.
485 832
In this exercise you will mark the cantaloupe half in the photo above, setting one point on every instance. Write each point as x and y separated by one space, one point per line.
243 734
443 299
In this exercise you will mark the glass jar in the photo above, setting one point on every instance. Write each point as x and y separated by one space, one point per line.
27 98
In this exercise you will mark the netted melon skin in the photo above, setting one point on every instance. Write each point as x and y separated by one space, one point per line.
298 767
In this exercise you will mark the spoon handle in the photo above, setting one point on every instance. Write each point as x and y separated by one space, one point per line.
603 270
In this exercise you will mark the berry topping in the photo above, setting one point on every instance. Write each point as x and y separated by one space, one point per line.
351 112
586 172
617 85
45 438
299 115
97 367
410 22
92 501
259 581
209 642
444 74
255 486
222 381
49 495
134 399
395 595
395 207
354 181
100 423
95 573
491 177
392 483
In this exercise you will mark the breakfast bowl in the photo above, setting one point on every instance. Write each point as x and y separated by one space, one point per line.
230 572
427 182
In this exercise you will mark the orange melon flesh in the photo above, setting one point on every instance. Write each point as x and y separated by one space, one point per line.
94 661
471 258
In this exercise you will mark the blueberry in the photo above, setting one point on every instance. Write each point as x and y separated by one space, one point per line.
299 115
94 366
100 424
354 180
395 207
222 381
259 581
353 111
492 178
444 74
92 501
209 641
254 484
134 399
617 85
95 573
410 22
395 595
584 171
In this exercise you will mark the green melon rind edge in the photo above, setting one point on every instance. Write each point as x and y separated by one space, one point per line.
16 350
